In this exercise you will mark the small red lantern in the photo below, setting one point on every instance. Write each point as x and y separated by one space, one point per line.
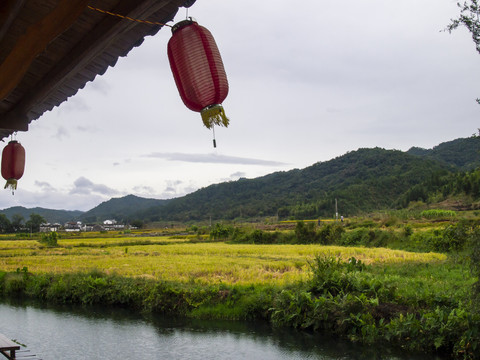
13 163
198 71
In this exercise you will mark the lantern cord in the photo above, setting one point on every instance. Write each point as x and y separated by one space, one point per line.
127 17
214 141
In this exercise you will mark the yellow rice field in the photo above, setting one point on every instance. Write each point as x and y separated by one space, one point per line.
181 260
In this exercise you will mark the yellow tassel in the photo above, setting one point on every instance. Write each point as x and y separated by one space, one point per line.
214 115
11 183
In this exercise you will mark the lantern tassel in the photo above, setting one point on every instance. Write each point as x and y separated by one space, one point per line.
12 184
214 115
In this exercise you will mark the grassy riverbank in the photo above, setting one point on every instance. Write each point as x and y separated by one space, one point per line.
417 300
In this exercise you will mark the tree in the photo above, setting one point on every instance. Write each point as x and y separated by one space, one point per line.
137 223
5 225
470 18
17 222
34 222
51 239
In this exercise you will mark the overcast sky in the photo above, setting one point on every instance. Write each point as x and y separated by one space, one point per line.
308 83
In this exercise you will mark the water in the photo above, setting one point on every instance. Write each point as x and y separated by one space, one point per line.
105 333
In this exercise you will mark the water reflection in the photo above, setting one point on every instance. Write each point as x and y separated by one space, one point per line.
110 333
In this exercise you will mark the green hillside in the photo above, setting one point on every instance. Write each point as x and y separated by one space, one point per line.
51 216
120 209
460 191
362 181
463 154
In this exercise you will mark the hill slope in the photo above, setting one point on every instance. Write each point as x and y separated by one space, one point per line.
462 153
362 181
120 209
51 216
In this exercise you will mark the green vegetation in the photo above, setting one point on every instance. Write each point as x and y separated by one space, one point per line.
442 187
461 153
438 214
49 239
407 274
32 225
469 17
363 181
354 279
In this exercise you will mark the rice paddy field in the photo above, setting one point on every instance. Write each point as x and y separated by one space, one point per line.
418 300
184 259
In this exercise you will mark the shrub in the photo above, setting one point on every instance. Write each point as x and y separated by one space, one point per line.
390 221
221 232
355 237
474 242
50 239
306 233
407 231
438 213
332 276
330 233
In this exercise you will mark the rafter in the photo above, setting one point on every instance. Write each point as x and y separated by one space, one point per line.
9 10
82 54
35 40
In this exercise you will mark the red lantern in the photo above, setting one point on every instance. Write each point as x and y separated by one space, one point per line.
198 71
13 163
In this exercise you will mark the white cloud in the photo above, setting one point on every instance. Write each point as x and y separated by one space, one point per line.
45 186
84 186
213 159
61 133
237 175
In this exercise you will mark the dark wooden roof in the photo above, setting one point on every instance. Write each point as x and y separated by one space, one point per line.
49 49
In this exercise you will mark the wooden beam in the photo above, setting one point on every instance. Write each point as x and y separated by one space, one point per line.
14 120
93 44
9 9
35 40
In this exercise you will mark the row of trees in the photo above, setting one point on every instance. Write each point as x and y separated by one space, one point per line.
18 223
439 188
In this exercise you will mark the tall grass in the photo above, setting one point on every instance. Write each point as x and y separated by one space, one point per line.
367 293
204 263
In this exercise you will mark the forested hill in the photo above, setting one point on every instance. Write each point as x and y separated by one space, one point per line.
121 209
53 216
462 153
362 181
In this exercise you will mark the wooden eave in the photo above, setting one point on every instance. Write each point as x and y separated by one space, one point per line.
49 49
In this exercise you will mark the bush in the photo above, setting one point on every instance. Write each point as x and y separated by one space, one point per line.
474 242
221 232
360 236
50 239
452 238
332 276
330 233
306 233
438 214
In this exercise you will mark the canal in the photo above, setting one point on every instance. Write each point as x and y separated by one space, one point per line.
105 333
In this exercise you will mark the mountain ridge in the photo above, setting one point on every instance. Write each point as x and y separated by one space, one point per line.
363 180
53 216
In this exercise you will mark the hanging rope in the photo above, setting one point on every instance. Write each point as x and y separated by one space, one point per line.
214 141
127 17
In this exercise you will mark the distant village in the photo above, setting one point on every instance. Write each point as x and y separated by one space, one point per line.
76 226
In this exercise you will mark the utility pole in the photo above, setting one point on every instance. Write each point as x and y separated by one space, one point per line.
336 210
